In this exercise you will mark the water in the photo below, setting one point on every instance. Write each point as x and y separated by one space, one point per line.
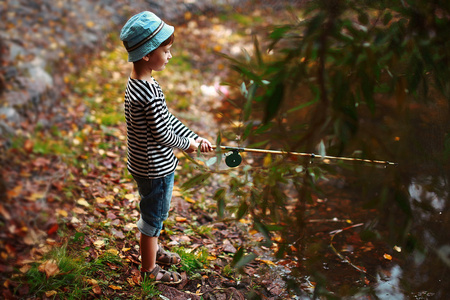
403 246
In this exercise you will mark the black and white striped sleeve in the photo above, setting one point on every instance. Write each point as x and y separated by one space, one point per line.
180 129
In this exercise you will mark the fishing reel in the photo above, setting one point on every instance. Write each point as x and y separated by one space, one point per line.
233 159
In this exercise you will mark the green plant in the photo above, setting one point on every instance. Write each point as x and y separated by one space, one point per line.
63 270
192 261
228 271
103 262
203 230
58 272
149 289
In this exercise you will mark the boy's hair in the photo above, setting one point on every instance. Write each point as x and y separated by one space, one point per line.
169 41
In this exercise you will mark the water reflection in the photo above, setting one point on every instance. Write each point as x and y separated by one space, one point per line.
420 194
389 287
430 259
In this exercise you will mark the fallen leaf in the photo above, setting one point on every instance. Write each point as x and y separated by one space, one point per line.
129 226
111 154
41 162
83 202
387 256
34 236
267 262
130 197
113 251
117 233
97 289
229 248
50 268
277 239
5 213
115 287
92 281
6 283
100 200
130 281
190 200
368 247
53 229
35 196
51 242
14 192
25 269
50 293
79 211
62 213
249 271
176 193
111 215
75 221
180 219
84 183
28 146
99 243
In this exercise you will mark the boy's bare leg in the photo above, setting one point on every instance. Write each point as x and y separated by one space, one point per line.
149 247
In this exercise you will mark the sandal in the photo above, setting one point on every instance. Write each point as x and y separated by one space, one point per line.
167 258
167 278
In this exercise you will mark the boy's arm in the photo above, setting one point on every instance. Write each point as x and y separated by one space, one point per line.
180 129
159 127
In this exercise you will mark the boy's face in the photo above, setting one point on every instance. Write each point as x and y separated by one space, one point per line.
159 58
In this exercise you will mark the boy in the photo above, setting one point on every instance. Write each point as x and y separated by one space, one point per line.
152 133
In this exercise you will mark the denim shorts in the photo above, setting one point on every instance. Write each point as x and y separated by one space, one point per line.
156 195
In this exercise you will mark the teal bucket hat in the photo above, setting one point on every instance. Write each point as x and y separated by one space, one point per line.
143 33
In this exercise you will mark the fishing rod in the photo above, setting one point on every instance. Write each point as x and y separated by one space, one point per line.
235 159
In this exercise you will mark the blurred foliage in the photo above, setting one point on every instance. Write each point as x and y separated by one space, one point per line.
342 79
338 59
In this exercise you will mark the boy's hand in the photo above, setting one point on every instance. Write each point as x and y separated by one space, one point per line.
193 146
205 145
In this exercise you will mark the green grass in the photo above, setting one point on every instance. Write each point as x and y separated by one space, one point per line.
181 61
192 261
149 290
43 143
49 146
111 119
71 279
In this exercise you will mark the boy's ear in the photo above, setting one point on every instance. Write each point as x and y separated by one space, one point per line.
147 57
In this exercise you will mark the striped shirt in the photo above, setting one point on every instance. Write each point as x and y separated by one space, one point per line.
152 131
